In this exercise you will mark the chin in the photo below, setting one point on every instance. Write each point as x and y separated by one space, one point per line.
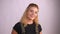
31 18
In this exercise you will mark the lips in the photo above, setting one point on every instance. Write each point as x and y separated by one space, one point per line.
32 16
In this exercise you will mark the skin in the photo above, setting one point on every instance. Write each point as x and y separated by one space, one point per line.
31 15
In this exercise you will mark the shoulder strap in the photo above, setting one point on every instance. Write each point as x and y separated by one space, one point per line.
36 28
23 30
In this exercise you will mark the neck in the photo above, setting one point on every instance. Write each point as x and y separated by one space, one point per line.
29 21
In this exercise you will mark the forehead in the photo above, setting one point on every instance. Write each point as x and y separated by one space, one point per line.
33 8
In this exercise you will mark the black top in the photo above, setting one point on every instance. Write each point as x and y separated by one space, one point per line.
30 28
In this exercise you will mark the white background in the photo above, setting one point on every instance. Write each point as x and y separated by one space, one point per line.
12 10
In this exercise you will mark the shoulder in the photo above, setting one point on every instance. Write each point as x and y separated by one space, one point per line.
17 26
39 28
39 25
18 23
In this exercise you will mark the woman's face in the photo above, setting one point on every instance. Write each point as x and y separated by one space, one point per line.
32 13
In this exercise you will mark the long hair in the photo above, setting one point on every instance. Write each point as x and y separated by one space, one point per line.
24 17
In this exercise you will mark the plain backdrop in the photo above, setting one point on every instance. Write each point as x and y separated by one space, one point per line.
11 12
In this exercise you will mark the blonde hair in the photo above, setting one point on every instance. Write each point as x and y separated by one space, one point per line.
23 19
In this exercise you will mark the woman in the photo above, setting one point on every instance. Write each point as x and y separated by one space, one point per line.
29 22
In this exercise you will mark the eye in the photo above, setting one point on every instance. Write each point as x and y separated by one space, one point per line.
31 10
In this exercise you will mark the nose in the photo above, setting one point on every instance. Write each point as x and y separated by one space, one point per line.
33 13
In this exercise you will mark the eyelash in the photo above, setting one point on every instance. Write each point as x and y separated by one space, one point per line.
31 11
35 12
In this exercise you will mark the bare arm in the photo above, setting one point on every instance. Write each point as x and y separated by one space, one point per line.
14 32
41 32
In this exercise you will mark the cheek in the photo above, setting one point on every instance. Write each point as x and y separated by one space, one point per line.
28 14
36 15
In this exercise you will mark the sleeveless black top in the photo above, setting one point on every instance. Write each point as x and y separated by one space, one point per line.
30 28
